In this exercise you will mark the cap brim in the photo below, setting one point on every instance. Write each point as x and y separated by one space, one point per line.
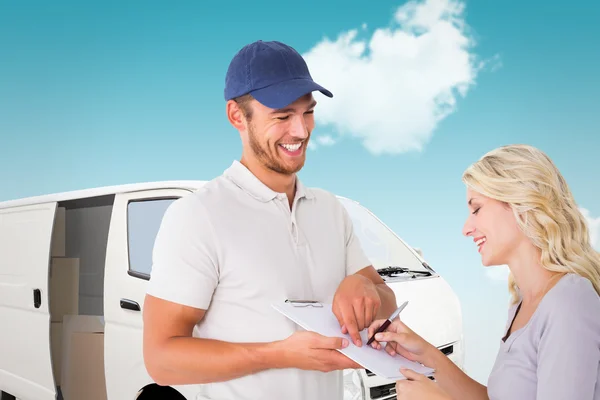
284 93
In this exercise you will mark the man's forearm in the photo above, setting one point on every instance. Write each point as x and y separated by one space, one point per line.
190 360
454 381
388 301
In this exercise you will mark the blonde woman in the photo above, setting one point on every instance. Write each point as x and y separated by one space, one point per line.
522 214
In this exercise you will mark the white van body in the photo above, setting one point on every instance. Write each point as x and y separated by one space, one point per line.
79 262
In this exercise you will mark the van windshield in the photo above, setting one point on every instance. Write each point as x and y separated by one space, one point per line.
383 248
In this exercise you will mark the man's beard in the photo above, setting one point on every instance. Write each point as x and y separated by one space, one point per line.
266 158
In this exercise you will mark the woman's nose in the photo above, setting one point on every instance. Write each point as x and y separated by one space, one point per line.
468 227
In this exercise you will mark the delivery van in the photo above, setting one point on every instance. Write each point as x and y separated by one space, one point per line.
73 273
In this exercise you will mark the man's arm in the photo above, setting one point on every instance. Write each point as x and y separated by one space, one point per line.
173 357
185 273
363 295
386 294
360 299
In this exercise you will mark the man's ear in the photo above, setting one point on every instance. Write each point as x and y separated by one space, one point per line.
235 115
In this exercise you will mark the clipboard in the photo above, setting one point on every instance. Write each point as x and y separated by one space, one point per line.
319 317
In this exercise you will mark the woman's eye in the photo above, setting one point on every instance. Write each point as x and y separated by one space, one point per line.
477 210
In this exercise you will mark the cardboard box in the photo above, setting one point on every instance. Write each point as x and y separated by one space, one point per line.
59 233
64 287
56 348
82 351
85 367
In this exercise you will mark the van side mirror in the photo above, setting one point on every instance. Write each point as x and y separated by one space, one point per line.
418 250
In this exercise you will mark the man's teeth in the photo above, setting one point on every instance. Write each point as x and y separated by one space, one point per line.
292 147
480 241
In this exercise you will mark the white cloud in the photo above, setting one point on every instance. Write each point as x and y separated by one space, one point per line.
594 226
323 140
500 273
392 89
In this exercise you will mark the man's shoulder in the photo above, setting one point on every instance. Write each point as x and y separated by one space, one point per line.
204 199
328 203
319 192
323 195
213 191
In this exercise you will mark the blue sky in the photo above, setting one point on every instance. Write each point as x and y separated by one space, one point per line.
115 92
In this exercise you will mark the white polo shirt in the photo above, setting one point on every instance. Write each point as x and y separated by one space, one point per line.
235 247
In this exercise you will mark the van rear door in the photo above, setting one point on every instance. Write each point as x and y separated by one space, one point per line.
25 360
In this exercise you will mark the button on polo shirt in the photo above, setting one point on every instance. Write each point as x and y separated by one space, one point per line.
235 247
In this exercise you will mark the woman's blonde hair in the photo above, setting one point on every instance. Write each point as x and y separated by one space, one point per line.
528 181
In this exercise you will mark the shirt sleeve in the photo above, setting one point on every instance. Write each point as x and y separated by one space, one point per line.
356 258
569 350
184 258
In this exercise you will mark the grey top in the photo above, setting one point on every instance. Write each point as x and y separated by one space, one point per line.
556 355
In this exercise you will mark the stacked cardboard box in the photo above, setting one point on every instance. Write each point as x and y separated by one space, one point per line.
77 341
82 375
64 300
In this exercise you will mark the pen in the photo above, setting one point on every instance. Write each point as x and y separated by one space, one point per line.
388 322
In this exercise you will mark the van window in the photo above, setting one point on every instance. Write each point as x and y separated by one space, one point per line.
143 221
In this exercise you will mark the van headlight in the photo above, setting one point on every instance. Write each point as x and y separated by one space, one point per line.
354 388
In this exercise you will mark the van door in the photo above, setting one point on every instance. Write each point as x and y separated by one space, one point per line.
135 220
25 359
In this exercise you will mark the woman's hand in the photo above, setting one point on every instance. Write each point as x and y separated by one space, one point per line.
418 387
402 340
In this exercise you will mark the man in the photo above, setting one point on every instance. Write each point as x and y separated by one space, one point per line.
254 236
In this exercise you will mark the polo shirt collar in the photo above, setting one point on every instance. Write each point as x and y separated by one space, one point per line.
249 183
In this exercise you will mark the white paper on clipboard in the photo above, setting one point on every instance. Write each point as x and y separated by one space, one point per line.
322 320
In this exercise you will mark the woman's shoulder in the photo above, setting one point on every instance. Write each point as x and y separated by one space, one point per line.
568 340
571 290
572 300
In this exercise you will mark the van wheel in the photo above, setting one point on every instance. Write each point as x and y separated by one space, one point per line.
154 391
6 396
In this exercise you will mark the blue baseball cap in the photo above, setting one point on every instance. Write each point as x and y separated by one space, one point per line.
272 72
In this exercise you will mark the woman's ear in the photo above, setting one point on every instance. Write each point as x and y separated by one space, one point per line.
522 217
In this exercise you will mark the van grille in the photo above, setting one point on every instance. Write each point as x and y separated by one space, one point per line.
447 350
384 391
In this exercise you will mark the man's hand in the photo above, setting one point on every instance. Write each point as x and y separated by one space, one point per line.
311 351
355 304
